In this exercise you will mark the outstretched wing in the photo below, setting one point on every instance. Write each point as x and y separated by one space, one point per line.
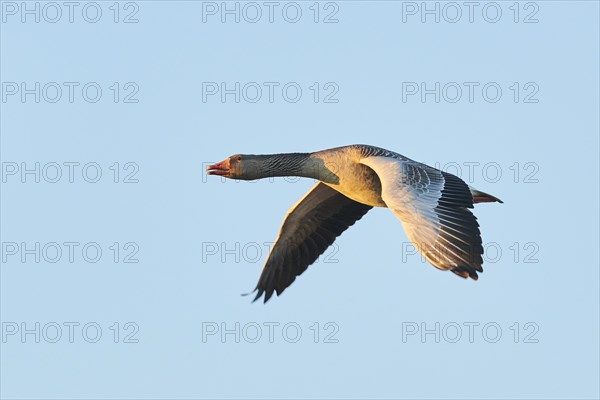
309 228
433 207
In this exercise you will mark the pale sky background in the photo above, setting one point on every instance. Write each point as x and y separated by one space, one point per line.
541 275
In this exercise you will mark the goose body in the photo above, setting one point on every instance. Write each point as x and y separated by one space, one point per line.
432 205
354 180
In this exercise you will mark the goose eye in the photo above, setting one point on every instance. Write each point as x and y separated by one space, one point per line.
239 158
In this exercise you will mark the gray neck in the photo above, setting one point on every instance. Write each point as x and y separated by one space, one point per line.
293 164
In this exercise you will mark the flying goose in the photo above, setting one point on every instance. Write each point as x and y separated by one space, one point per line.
432 205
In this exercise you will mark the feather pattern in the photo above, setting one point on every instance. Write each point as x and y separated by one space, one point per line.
433 207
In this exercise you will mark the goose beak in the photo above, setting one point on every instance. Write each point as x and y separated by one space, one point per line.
221 168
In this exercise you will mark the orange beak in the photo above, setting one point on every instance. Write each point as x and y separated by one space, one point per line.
221 168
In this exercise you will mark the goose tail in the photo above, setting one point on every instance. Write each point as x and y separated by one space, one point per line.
482 197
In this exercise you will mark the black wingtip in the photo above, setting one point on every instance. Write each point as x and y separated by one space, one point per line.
268 295
258 295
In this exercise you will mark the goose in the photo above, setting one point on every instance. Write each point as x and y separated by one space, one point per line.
432 205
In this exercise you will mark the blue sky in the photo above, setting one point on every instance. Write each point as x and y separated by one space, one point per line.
123 263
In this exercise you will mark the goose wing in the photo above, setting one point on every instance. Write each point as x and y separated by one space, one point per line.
433 207
309 228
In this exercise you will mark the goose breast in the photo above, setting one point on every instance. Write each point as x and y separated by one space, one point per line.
355 180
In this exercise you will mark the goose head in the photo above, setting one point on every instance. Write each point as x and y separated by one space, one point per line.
237 166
